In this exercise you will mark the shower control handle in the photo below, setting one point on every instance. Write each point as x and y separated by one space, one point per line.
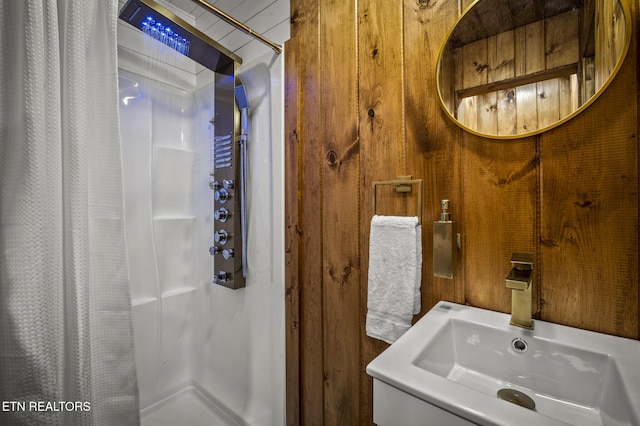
221 195
215 185
227 253
227 183
222 277
222 214
221 236
213 250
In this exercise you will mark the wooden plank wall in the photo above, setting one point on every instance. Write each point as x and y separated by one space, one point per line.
361 105
303 221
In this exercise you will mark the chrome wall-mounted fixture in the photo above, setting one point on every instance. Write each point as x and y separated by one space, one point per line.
242 100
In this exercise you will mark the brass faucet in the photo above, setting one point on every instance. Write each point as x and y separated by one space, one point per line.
519 281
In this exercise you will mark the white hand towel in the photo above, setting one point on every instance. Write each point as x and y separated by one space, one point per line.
395 270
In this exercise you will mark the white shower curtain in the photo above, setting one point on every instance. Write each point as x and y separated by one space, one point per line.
66 346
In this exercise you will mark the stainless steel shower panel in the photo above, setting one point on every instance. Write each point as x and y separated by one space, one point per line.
227 230
161 24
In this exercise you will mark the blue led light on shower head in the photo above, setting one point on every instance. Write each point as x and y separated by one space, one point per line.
164 34
161 24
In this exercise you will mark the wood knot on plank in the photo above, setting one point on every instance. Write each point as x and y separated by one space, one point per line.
295 17
554 48
510 94
423 4
480 67
374 52
340 279
346 271
335 159
332 272
332 159
583 203
293 137
371 113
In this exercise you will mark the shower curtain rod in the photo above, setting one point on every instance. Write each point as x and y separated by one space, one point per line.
239 25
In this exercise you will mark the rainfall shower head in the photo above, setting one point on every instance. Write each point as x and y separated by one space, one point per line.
241 97
166 35
164 26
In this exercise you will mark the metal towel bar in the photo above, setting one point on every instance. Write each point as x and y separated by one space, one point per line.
402 184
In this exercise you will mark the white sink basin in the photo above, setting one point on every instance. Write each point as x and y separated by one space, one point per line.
457 357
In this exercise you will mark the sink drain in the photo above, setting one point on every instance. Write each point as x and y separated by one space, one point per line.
517 397
519 345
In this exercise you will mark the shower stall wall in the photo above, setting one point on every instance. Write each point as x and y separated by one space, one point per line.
205 354
159 153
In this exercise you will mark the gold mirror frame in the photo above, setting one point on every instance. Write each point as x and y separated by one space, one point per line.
623 53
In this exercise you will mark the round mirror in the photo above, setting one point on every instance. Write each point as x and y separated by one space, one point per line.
514 68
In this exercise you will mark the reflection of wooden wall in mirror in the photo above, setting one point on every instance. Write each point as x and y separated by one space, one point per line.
530 77
610 38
